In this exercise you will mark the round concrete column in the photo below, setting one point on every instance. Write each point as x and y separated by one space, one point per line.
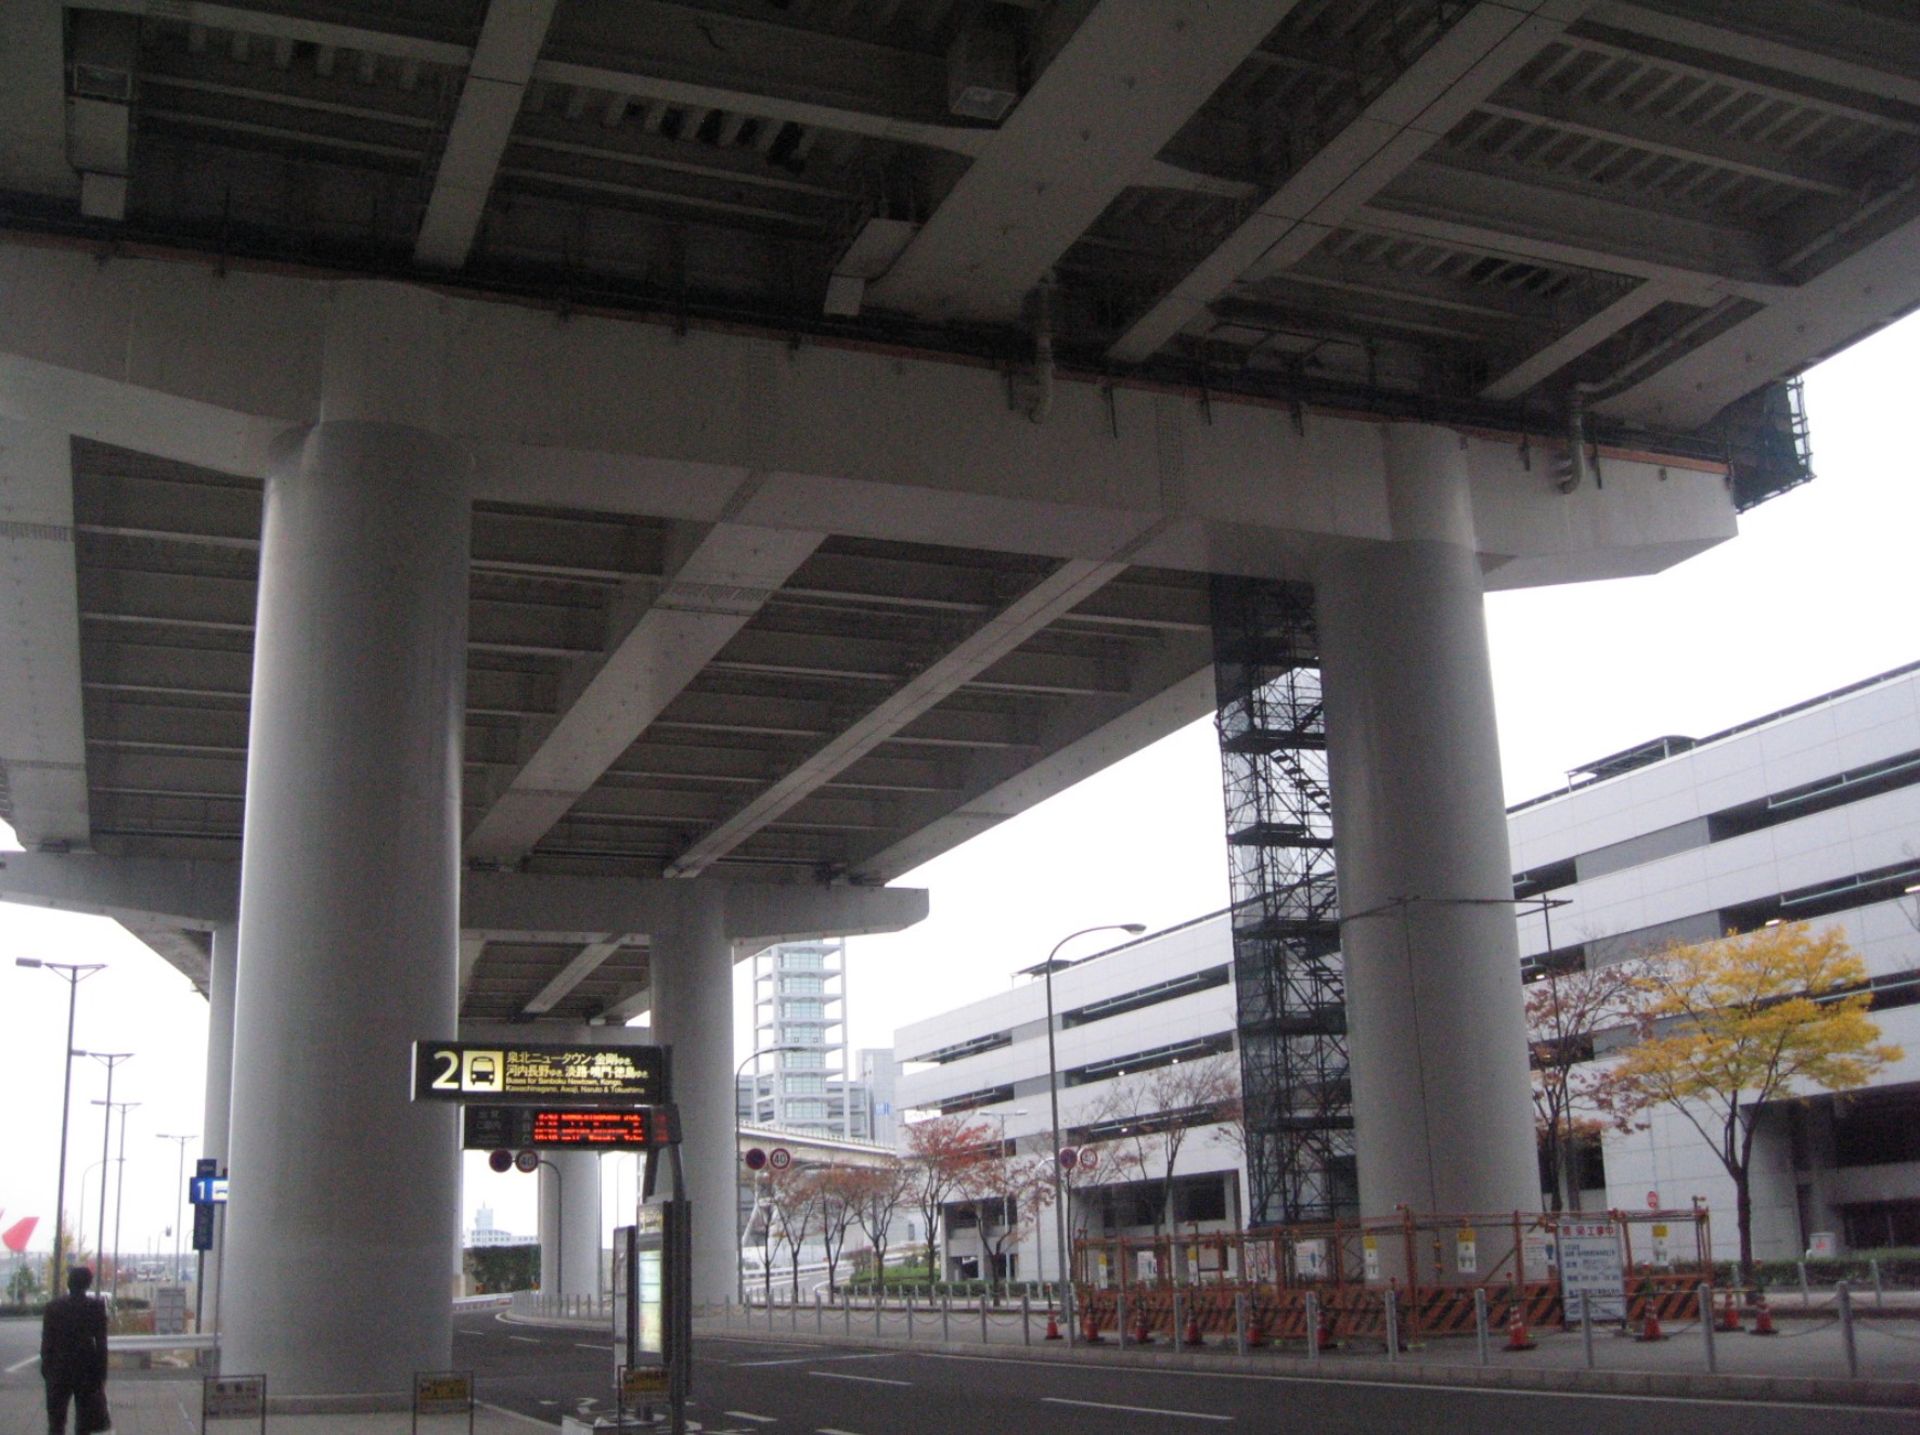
692 973
217 1108
1442 1112
570 1224
345 1191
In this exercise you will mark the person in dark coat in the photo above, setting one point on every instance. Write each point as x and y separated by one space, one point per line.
73 1354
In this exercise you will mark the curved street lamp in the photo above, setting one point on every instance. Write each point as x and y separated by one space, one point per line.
1047 969
72 973
739 1231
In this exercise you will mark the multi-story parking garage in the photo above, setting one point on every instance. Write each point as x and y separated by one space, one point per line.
504 502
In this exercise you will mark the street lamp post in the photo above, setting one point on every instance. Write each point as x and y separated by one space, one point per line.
73 973
1047 969
119 1191
110 1059
1006 1202
739 1230
179 1192
80 1225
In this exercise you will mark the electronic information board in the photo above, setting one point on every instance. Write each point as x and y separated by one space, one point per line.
516 1128
539 1074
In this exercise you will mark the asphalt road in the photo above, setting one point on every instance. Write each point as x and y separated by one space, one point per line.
764 1385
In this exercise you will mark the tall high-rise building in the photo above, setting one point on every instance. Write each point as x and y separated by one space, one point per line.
799 1003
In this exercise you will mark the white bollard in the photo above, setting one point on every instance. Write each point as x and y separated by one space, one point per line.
1586 1328
1313 1327
1239 1322
1843 1297
1480 1323
1705 1295
1393 1325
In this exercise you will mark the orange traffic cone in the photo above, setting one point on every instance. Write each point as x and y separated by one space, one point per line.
1325 1333
1517 1337
1256 1329
1192 1336
1763 1320
1091 1331
1730 1315
1053 1327
1142 1335
1650 1327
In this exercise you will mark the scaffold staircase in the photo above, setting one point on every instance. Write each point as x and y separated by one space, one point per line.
1288 977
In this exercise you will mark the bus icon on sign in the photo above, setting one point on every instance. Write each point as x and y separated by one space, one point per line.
483 1071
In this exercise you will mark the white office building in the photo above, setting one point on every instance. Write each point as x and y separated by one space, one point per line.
1809 813
1812 812
1124 1015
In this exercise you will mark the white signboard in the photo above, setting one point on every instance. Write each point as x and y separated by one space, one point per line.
1310 1258
1466 1252
170 1310
1370 1252
1591 1270
230 1397
1661 1255
1538 1250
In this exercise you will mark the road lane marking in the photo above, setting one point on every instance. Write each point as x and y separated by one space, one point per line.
749 1415
863 1379
1135 1409
517 1415
816 1359
1404 1385
526 1340
20 1365
583 1345
829 1430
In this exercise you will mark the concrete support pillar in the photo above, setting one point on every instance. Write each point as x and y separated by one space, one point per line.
344 1190
1437 1041
217 1110
692 967
570 1223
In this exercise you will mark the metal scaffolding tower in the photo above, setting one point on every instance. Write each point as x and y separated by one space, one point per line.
1288 976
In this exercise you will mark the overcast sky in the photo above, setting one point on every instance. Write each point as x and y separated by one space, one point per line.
1819 590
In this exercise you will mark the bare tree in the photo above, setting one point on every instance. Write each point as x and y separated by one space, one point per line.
796 1197
838 1190
1566 1009
1007 1195
943 1153
1156 1111
879 1193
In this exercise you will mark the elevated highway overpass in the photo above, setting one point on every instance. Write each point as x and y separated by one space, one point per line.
503 504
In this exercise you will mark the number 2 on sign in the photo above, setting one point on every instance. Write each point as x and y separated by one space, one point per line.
448 1078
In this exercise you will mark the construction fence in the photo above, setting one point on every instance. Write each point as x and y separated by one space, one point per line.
1535 1267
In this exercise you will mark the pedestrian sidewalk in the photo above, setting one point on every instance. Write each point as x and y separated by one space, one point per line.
149 1405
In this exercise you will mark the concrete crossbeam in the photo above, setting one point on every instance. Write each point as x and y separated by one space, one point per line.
496 83
974 656
1108 102
171 359
1479 53
44 751
495 906
715 592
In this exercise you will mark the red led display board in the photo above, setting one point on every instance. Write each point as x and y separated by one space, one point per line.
491 1128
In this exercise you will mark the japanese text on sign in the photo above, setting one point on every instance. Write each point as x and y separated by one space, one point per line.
1591 1270
491 1128
227 1396
538 1074
442 1392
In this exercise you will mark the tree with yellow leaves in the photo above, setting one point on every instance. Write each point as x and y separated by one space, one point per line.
1727 1025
